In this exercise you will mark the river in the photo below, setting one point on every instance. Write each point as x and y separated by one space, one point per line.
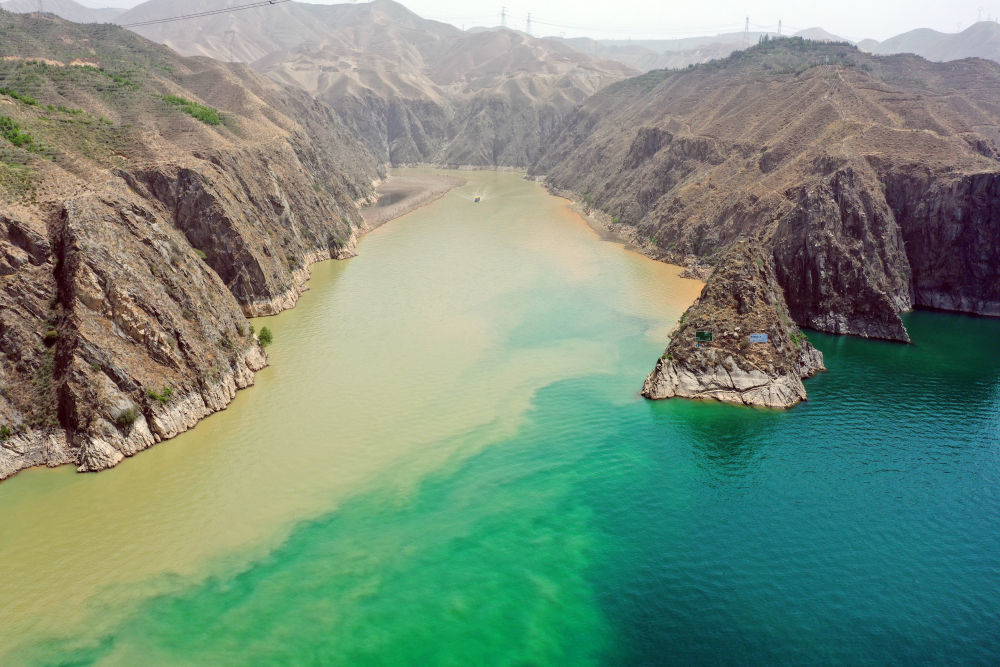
448 461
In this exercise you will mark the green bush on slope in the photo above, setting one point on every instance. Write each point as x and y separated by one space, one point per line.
203 113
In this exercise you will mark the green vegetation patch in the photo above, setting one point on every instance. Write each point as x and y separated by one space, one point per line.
798 337
11 131
5 433
162 397
205 114
44 410
126 418
265 337
26 99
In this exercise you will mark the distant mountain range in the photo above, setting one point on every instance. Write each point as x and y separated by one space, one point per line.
981 40
226 36
67 9
650 54
412 89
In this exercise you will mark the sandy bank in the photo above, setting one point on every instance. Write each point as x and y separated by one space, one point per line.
609 230
403 194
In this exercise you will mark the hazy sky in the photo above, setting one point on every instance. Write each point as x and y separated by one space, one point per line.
621 19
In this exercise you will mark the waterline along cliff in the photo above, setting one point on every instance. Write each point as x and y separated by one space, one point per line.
151 204
870 185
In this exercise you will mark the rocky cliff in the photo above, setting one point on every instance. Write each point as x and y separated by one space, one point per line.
741 298
870 181
150 204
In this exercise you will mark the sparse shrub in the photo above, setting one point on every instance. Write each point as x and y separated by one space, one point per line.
25 99
162 397
798 338
11 131
201 254
126 418
5 433
265 337
50 338
96 367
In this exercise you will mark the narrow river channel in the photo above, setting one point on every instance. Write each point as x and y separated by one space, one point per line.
448 462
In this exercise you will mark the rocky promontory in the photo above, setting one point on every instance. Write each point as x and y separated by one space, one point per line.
737 343
869 184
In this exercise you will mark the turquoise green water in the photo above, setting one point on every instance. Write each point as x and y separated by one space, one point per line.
460 471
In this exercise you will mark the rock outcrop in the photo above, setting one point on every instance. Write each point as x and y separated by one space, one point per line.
841 253
160 202
742 298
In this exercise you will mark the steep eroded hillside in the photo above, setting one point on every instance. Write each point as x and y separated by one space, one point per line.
150 204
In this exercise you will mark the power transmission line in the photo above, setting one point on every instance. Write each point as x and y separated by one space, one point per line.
211 12
689 32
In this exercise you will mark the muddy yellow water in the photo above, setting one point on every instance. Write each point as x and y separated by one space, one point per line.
399 364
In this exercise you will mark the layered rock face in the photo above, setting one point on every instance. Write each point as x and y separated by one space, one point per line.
951 230
841 253
741 298
116 336
160 202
